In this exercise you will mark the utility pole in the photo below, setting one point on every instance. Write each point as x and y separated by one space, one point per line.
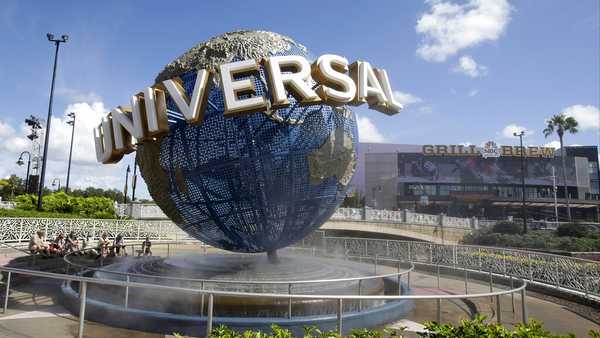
523 208
57 43
72 124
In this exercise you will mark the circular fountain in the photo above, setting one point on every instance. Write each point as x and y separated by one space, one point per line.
178 311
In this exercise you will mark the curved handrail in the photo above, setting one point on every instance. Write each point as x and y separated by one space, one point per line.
245 282
114 282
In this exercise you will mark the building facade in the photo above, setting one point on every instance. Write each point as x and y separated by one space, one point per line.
479 181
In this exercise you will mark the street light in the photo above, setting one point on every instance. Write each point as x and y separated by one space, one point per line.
54 183
57 43
126 181
72 124
522 151
20 163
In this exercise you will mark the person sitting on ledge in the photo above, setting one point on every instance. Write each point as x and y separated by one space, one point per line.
146 245
72 244
103 246
119 245
58 246
37 244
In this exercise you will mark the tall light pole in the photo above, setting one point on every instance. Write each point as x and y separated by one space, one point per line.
20 162
72 124
523 208
134 180
126 181
57 43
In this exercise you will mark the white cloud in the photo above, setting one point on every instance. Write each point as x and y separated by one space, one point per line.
509 130
367 131
75 95
448 27
85 171
468 66
406 98
587 116
553 144
473 92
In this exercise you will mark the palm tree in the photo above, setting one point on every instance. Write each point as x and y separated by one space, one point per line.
562 124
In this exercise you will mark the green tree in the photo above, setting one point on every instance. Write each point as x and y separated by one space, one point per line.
562 124
11 187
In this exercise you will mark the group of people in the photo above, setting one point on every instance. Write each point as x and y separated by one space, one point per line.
70 244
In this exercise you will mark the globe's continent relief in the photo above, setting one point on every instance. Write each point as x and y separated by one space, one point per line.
256 182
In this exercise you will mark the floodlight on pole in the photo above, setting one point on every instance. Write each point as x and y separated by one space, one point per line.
57 43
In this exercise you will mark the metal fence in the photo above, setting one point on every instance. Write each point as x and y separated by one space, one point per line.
209 294
576 275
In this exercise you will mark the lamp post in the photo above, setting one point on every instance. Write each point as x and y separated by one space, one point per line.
134 180
54 183
522 151
20 162
57 43
126 181
72 124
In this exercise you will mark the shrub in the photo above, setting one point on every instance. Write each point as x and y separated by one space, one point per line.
61 203
572 230
506 227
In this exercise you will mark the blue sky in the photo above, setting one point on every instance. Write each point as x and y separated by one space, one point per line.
468 71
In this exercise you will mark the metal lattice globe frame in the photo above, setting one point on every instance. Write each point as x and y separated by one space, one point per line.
252 183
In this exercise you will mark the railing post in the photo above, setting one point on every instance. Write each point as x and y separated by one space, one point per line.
430 253
375 263
504 261
524 305
454 260
339 316
438 276
82 297
530 272
202 300
466 281
399 280
512 294
290 301
439 310
479 258
409 257
210 315
498 310
360 293
168 250
6 292
127 294
408 280
586 286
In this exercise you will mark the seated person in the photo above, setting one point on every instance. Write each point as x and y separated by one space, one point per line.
72 243
58 246
37 243
146 245
103 245
119 245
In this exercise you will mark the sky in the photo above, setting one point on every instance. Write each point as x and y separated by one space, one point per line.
466 71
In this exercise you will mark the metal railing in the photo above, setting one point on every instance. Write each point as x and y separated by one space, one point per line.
574 275
209 317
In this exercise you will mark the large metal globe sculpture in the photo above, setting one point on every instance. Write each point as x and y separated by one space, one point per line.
252 183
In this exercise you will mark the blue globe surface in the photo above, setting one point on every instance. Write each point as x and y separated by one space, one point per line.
256 182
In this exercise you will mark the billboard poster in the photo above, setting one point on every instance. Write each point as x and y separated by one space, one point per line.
479 170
